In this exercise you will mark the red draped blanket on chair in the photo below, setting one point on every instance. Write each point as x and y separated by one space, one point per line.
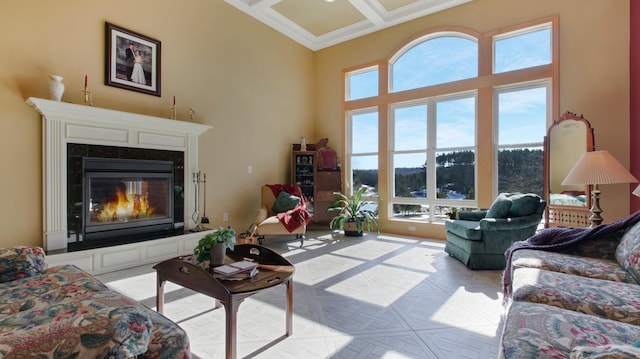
296 217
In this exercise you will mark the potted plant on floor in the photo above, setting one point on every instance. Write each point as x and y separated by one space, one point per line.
213 246
353 216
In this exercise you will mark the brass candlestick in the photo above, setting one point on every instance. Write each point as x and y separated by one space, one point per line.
88 96
173 112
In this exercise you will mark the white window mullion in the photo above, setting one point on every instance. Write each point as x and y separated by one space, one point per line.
431 151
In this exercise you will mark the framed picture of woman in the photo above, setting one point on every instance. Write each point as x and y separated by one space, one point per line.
132 61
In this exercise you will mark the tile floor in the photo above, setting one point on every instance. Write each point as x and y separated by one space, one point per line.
383 296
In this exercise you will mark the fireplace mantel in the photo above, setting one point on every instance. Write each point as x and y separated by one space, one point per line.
64 123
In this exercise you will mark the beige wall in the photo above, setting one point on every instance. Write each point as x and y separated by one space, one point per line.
254 85
260 90
594 70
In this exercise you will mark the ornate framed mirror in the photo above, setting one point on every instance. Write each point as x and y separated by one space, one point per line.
566 140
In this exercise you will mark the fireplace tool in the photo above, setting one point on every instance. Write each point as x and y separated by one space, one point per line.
196 212
204 219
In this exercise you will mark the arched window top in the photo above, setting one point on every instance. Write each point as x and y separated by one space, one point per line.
434 59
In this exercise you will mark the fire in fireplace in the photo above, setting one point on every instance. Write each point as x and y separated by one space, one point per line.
126 197
128 200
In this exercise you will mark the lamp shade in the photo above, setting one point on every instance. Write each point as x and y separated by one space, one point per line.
598 167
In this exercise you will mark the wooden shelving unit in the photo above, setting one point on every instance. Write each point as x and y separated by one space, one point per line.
317 185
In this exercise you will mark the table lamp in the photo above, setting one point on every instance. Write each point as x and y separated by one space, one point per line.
594 168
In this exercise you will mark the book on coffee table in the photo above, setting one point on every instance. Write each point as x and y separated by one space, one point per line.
237 276
236 270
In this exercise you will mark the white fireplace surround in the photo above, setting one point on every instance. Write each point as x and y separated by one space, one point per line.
64 123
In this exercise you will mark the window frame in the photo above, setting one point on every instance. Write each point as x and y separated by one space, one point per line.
420 40
544 83
519 32
485 84
347 166
347 84
431 150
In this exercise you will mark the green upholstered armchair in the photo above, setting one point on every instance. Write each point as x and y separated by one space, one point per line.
479 238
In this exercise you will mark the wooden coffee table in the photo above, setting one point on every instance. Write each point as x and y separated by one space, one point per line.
274 270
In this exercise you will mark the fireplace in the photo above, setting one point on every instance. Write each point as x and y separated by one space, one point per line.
125 197
72 132
119 195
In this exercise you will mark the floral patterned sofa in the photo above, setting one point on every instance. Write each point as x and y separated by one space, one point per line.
63 312
575 300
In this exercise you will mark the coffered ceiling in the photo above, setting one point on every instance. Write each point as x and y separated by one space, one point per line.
317 24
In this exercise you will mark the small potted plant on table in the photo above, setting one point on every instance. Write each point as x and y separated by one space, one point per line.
213 246
353 216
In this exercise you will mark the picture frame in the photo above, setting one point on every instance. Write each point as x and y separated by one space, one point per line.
132 60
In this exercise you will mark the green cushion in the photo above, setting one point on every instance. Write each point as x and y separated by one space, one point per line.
500 207
471 215
464 229
523 204
285 202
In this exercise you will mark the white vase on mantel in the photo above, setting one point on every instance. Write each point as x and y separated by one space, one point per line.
56 87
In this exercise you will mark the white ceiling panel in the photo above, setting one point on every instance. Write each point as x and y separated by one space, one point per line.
317 24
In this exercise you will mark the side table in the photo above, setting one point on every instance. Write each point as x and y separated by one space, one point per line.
273 270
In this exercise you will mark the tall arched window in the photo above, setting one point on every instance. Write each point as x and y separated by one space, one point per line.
448 108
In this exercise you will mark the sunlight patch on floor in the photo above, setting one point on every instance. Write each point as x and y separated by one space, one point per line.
387 284
460 309
368 250
417 259
315 270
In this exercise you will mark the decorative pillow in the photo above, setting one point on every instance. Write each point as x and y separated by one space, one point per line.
285 202
609 351
524 204
628 251
500 207
21 262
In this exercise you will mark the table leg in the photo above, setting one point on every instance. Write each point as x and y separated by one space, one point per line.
160 294
289 306
231 310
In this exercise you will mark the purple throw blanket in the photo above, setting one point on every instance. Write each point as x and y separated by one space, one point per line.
556 238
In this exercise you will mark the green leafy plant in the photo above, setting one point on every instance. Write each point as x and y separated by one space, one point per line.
351 210
226 236
452 212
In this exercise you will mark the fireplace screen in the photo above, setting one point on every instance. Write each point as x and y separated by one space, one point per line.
127 197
